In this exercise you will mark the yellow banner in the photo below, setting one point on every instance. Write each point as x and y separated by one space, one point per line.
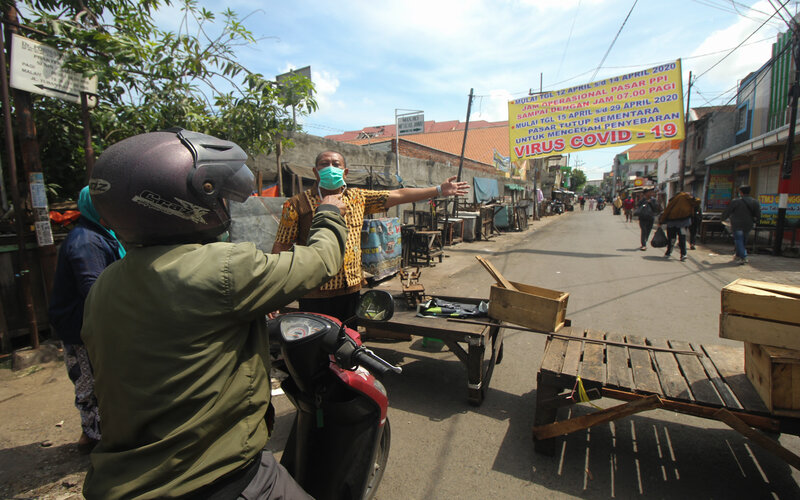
644 106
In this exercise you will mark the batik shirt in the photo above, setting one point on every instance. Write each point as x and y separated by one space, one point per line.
359 202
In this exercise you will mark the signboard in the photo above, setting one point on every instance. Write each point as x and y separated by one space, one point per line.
411 124
502 163
769 209
720 189
644 106
37 68
44 233
305 71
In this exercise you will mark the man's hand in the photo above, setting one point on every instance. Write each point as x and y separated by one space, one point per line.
452 188
335 200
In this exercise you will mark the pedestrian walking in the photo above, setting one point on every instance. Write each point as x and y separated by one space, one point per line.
617 204
697 221
678 217
646 211
582 201
743 212
591 204
627 207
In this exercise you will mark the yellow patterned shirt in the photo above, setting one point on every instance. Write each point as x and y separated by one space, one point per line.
359 202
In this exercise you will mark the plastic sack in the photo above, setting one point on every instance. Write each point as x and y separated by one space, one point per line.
659 239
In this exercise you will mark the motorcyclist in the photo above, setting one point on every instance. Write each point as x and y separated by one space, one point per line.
176 331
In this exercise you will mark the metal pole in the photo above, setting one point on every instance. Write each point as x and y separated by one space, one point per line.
786 170
463 149
278 152
23 272
396 146
87 136
682 163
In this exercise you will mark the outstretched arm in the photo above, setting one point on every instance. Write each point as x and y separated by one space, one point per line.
411 195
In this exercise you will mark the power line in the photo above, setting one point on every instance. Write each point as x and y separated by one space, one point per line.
574 18
613 41
641 65
735 48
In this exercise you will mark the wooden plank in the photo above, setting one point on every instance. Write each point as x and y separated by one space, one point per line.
669 373
758 370
789 290
695 375
501 280
744 300
760 439
760 421
572 358
772 372
759 331
619 374
729 362
645 378
553 357
593 366
599 417
728 398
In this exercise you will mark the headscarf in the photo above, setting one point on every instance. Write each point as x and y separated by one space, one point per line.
87 209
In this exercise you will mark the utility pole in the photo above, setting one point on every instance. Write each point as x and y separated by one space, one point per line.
463 149
682 163
786 170
23 272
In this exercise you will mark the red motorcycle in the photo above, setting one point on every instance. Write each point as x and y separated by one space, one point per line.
339 443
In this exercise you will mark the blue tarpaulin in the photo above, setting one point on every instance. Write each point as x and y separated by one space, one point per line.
485 189
381 246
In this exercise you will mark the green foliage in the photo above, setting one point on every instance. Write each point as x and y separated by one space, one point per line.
151 79
577 179
591 190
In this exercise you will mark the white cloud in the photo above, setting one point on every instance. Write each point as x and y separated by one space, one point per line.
743 60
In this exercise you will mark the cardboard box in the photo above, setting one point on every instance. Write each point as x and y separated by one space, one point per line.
762 300
775 374
530 306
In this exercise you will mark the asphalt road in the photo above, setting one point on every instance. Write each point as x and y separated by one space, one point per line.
442 447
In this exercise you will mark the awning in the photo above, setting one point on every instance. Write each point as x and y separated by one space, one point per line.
773 138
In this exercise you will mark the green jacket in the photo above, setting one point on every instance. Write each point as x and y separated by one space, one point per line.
177 338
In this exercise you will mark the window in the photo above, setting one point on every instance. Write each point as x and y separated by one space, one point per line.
741 118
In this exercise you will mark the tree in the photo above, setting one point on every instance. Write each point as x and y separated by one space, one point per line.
591 190
151 79
576 180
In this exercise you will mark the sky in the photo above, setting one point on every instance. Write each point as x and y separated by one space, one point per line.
370 59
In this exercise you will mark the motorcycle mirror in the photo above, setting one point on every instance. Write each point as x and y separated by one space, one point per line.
375 305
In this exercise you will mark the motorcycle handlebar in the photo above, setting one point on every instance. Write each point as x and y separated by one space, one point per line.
373 362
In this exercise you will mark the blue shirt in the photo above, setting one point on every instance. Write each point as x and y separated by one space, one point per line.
87 250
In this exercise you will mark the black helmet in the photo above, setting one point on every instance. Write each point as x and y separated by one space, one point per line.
167 187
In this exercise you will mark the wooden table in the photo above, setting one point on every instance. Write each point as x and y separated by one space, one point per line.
425 246
712 386
480 348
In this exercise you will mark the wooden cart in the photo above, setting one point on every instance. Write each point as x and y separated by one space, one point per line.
713 385
480 348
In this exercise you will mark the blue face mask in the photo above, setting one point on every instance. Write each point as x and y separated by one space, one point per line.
331 178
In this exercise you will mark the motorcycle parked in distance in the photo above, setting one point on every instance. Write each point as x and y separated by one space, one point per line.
339 443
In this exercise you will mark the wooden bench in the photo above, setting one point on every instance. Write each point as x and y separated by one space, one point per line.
662 374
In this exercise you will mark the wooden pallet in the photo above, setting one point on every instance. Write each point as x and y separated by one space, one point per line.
711 384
